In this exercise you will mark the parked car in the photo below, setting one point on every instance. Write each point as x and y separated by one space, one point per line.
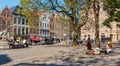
16 44
69 42
46 41
56 40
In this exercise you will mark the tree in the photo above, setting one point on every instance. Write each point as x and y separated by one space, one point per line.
75 10
112 7
72 9
93 8
30 10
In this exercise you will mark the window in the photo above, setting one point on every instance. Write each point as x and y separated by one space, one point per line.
15 30
47 25
23 21
19 20
7 15
4 15
111 35
102 36
43 25
19 30
30 30
27 31
117 36
15 20
23 30
8 23
26 22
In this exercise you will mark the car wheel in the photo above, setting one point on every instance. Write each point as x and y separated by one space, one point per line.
10 46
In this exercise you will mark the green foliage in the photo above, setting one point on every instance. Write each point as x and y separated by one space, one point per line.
30 8
112 7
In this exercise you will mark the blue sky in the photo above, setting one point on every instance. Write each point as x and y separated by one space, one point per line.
8 3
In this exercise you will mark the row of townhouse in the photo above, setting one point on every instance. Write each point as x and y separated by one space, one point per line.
49 25
17 25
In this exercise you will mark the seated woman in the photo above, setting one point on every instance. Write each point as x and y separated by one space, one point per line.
109 47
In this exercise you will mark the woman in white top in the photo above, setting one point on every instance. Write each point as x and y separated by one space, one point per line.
109 47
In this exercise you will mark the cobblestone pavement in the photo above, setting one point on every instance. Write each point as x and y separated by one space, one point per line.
14 56
61 55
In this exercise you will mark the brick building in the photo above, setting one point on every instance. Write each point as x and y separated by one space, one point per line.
16 24
2 24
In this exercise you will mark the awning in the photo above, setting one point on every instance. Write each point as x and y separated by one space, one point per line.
35 38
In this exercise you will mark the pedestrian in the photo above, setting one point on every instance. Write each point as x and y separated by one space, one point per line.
11 38
89 44
25 43
88 47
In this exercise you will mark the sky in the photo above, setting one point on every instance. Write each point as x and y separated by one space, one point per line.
9 3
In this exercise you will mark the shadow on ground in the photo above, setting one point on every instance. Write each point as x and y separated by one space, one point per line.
30 64
4 59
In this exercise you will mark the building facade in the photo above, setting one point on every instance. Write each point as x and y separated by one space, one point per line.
16 24
89 29
58 26
2 24
44 28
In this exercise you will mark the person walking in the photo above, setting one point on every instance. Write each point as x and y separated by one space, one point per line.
89 47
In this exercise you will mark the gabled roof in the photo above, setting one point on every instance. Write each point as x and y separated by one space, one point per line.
6 8
14 9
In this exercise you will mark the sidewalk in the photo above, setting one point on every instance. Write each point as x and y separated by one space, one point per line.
62 42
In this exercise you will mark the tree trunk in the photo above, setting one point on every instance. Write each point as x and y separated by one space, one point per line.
75 32
75 37
96 16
